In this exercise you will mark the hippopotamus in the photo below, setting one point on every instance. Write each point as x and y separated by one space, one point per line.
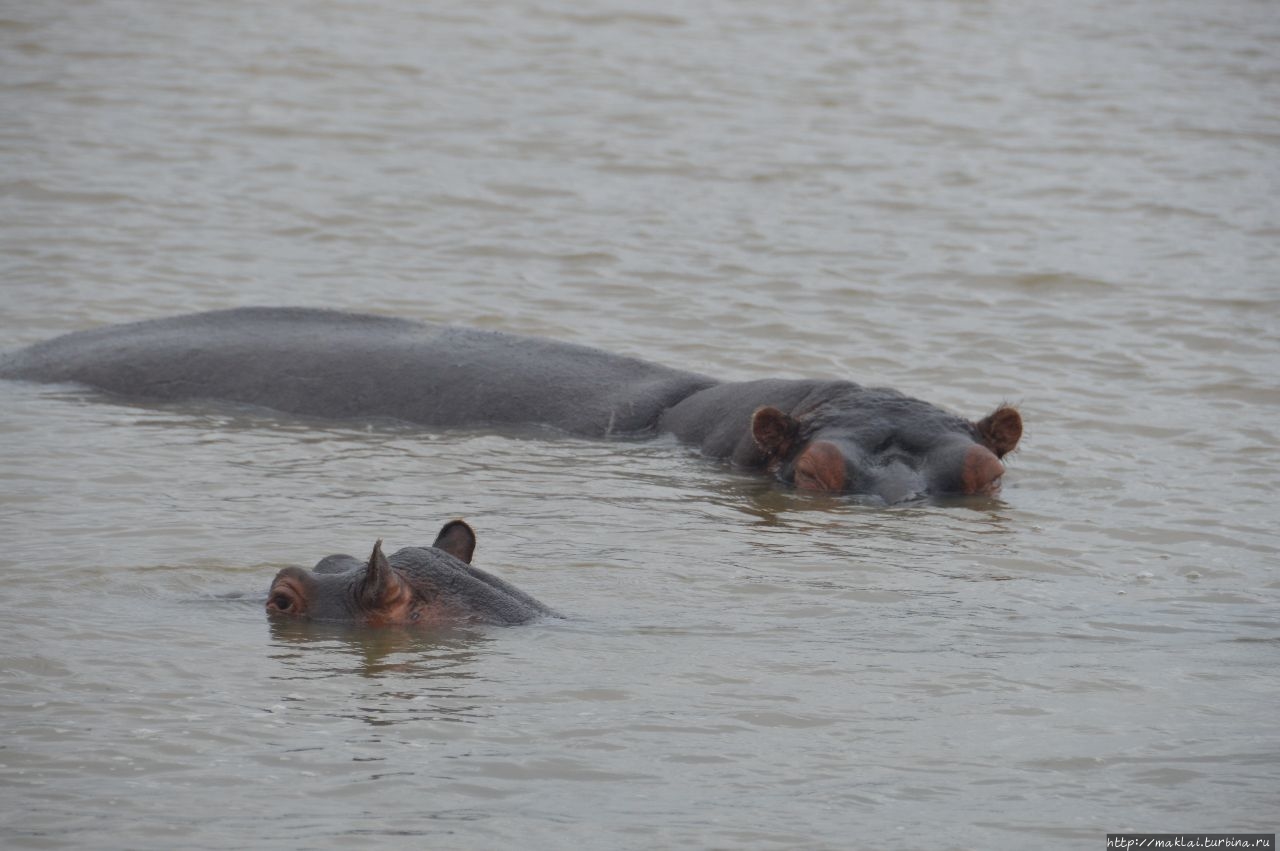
416 586
814 434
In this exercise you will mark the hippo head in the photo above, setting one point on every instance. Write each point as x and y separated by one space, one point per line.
405 590
883 444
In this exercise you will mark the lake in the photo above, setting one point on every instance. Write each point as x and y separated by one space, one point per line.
1068 207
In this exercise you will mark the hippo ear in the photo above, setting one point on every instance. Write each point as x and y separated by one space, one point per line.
1001 431
379 581
774 431
457 539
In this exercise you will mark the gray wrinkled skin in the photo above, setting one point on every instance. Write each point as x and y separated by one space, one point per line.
447 583
349 366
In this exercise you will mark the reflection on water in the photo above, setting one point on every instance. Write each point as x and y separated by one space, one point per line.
307 648
413 677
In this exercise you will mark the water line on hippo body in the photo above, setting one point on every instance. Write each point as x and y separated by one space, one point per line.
345 366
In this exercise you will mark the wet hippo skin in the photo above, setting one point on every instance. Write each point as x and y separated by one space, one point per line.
415 586
821 435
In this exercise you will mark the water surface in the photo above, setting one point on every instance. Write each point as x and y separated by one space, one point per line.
1071 207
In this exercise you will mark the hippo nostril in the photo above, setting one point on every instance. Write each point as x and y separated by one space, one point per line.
898 496
899 483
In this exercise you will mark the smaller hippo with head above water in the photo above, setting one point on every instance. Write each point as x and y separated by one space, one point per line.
819 435
416 586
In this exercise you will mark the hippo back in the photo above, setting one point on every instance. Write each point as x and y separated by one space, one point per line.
351 366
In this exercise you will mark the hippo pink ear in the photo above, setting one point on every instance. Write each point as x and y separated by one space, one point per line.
380 581
1001 431
457 539
774 431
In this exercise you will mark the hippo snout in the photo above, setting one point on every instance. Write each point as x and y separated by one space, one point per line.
898 482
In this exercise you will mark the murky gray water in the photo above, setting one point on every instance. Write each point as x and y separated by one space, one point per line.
1068 206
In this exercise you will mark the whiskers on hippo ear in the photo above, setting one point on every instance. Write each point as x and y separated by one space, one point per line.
1001 430
775 432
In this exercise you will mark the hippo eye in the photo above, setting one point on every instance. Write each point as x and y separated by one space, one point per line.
415 616
981 471
821 467
281 602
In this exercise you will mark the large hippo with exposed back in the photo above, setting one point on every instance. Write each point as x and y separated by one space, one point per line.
815 434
